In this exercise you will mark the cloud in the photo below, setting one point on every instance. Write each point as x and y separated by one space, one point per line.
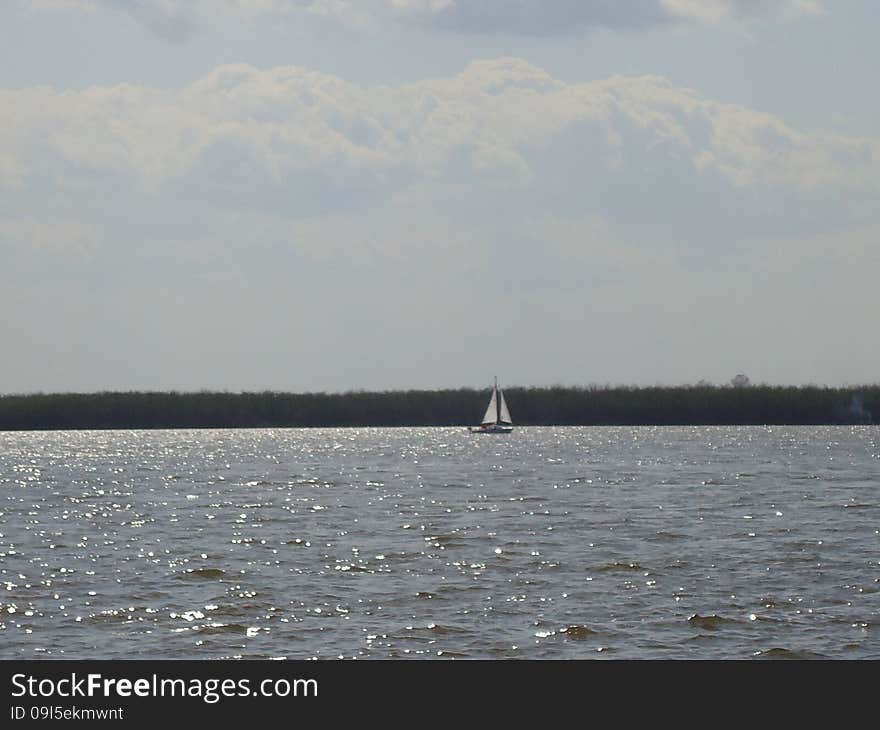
537 17
187 237
712 11
176 19
532 17
500 179
305 143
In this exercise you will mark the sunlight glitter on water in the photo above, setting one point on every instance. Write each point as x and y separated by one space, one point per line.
437 544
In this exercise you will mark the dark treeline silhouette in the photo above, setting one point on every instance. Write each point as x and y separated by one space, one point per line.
575 406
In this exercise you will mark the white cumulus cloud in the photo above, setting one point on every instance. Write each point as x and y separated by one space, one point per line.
294 138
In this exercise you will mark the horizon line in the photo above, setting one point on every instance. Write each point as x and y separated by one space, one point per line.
355 391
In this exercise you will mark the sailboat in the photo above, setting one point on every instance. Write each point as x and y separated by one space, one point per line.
497 417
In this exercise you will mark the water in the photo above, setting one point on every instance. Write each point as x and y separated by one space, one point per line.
645 543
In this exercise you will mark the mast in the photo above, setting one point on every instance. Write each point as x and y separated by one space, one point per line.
497 403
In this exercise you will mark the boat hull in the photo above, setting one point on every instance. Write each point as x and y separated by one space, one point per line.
493 428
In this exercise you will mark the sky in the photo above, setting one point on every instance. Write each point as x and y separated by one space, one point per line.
336 195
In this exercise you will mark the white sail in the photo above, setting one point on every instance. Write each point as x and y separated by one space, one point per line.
505 414
491 414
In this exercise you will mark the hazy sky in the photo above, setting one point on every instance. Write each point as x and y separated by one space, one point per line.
379 194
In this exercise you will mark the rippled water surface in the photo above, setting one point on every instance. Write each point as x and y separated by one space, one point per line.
434 543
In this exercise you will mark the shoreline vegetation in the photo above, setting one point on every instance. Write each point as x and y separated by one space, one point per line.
531 406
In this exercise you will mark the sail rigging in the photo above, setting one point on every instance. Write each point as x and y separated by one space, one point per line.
503 413
491 414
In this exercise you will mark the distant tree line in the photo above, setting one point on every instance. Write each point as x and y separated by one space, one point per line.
700 404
